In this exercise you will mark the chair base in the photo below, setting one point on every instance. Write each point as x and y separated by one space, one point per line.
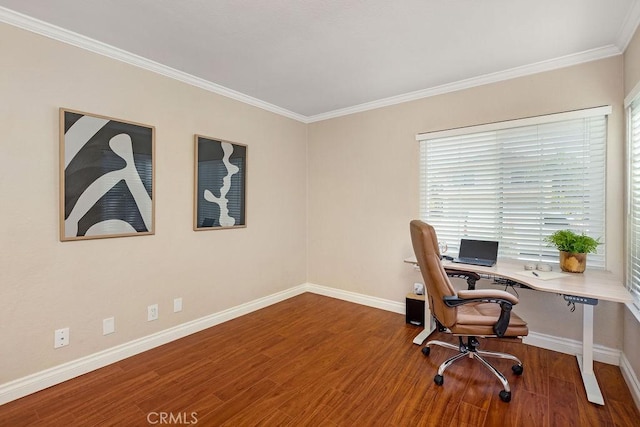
470 349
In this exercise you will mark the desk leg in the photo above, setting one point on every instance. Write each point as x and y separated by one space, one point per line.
419 339
585 360
429 327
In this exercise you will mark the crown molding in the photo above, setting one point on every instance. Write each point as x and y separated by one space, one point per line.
629 26
69 37
539 67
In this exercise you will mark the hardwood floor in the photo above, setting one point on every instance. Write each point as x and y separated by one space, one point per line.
318 361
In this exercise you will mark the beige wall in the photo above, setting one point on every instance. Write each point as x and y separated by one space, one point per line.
363 185
632 63
631 347
336 215
46 284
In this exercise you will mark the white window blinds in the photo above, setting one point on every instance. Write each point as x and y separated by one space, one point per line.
517 182
633 226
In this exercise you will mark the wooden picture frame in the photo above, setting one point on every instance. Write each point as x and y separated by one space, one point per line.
220 186
107 177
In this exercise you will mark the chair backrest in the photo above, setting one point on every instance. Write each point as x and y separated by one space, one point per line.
437 284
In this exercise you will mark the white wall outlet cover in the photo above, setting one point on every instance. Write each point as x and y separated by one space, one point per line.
108 326
61 338
177 305
152 312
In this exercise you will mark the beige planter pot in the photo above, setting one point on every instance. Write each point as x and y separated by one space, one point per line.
573 262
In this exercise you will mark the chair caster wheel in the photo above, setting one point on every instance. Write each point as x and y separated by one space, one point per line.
505 396
517 369
426 351
438 379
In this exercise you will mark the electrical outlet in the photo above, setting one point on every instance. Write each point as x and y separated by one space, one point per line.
177 305
152 312
108 326
61 337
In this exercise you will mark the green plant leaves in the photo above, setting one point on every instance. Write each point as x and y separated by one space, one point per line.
568 241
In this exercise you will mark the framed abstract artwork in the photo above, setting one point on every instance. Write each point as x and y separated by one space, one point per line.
106 177
220 184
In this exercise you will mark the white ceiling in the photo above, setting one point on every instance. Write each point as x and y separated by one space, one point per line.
315 59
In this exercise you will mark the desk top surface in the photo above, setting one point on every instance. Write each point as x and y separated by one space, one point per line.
599 284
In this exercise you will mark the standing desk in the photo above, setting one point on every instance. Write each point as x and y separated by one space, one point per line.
582 288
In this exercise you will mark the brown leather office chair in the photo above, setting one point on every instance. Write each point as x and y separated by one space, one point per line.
466 313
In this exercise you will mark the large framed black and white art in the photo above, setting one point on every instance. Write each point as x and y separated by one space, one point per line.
220 184
106 177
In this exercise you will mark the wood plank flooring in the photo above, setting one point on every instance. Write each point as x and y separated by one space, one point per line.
317 361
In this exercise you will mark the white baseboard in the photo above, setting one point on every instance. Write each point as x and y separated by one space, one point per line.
375 302
631 379
549 342
40 380
568 346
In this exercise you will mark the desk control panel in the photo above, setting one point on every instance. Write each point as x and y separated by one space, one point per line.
580 300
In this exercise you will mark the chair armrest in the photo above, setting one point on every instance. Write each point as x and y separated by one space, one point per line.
488 293
505 299
469 276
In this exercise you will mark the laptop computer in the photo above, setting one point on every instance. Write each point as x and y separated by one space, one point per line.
477 252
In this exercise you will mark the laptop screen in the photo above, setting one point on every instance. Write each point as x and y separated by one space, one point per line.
482 249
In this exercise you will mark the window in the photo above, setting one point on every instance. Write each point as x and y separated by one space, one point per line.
517 182
633 212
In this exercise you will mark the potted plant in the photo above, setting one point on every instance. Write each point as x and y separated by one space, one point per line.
573 249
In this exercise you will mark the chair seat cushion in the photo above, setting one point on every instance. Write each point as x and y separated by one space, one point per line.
478 319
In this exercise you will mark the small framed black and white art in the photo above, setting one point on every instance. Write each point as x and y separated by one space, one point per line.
220 184
106 177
